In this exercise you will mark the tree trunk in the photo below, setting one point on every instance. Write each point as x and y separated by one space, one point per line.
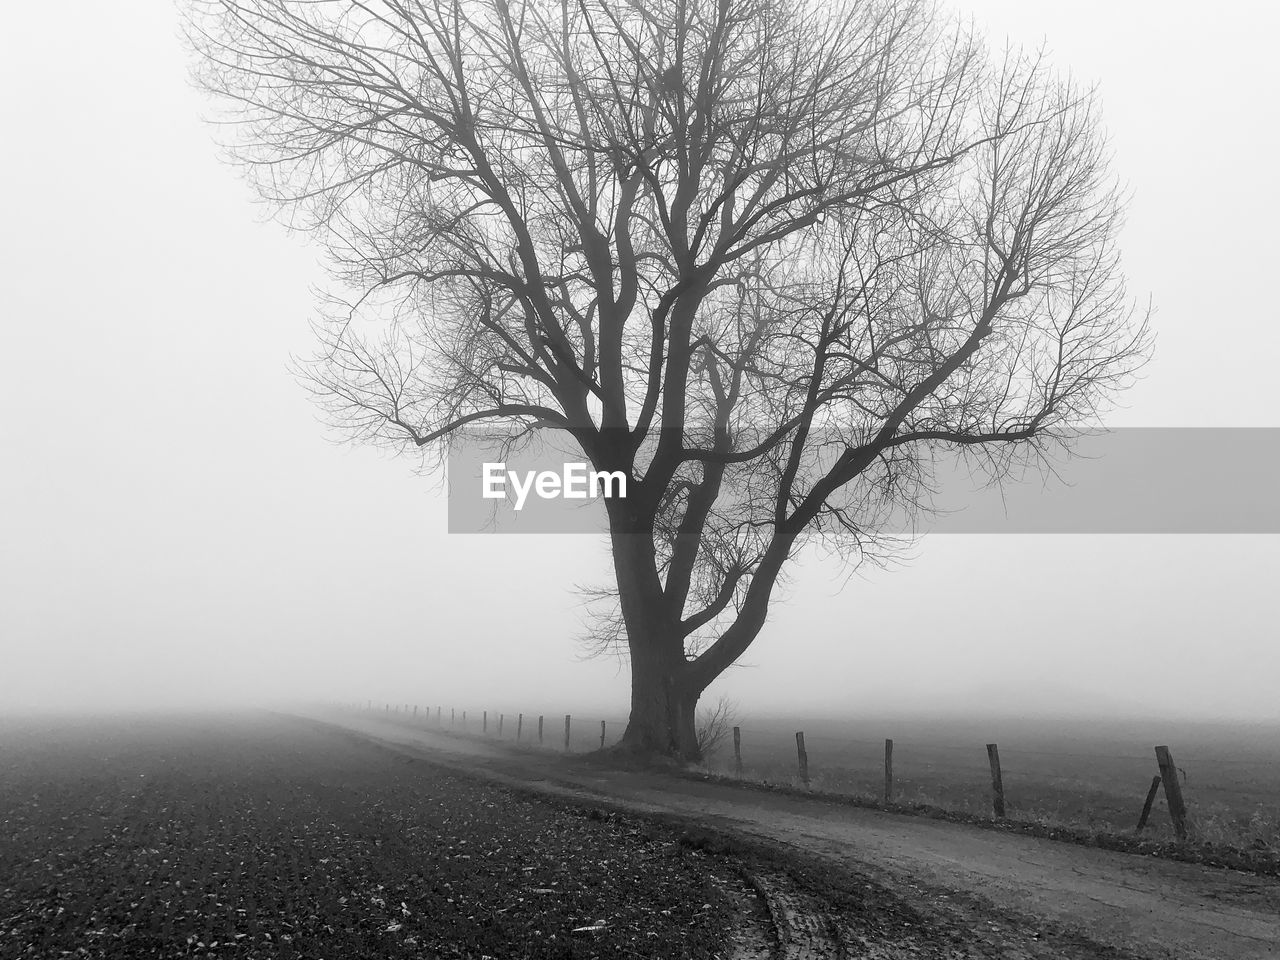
663 703
664 695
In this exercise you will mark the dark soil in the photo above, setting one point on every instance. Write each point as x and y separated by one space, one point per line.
248 839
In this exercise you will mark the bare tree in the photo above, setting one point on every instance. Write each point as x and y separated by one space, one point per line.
766 257
714 724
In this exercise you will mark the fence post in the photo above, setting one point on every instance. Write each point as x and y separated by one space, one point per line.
484 721
539 729
501 717
601 734
1172 791
387 709
888 771
453 715
1146 807
437 716
415 712
519 725
803 758
566 733
997 783
737 751
464 719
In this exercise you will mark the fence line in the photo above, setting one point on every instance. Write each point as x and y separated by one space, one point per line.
893 777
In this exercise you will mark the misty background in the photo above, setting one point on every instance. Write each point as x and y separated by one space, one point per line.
179 530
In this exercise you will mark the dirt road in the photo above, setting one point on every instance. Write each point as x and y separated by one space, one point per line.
1142 905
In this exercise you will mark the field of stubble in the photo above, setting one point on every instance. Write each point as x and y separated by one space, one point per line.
266 837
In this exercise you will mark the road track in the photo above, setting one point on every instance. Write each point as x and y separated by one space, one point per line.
1050 892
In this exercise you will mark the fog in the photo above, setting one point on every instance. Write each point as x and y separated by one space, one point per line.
179 529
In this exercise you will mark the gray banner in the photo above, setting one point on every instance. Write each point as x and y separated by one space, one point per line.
1138 480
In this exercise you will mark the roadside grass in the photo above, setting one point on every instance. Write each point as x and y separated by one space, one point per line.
1216 834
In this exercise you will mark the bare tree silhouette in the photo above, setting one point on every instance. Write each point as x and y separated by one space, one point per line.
767 257
714 724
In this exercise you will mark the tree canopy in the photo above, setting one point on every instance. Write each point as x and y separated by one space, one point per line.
764 256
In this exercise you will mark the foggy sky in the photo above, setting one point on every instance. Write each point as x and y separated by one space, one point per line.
178 528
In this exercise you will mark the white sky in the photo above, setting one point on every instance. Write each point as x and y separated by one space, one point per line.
176 528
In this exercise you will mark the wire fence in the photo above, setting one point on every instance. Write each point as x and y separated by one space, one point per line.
574 733
1204 791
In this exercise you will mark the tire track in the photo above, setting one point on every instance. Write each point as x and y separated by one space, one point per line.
800 931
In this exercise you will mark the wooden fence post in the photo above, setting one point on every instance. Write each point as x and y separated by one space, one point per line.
519 725
1146 807
566 733
601 734
387 709
501 717
437 716
453 715
888 771
415 712
484 722
539 729
803 758
997 782
1172 791
737 751
464 719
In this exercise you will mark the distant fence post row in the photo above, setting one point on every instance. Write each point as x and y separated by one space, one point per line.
1167 777
417 714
